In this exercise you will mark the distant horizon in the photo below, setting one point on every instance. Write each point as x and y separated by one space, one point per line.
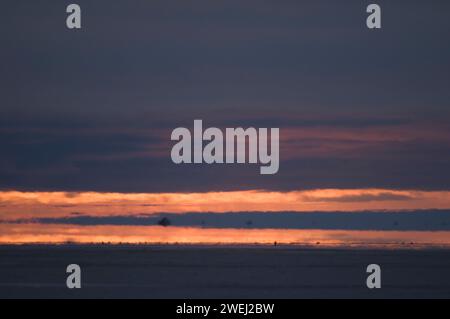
331 217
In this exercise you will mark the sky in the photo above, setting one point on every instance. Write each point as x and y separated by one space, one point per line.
363 114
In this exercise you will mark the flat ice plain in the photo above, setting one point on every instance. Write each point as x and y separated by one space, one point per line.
39 271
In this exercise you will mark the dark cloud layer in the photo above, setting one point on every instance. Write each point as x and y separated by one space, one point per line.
93 109
388 221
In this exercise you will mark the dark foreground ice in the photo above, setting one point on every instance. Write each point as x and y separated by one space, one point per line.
221 272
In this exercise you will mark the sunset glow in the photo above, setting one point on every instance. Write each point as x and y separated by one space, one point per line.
18 205
59 234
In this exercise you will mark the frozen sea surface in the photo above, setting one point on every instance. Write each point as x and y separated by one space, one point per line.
221 272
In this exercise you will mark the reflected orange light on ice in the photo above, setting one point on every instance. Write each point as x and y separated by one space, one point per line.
56 234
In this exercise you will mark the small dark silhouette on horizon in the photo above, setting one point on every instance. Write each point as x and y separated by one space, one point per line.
164 222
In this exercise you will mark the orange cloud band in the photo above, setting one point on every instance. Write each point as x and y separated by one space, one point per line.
17 205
